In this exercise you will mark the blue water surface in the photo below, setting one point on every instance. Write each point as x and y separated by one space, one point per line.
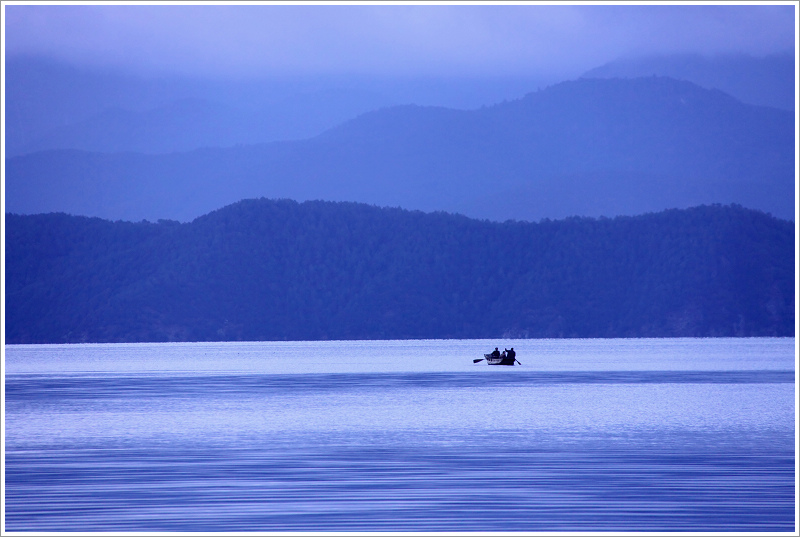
586 435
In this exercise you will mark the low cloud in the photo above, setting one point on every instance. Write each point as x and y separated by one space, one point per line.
252 40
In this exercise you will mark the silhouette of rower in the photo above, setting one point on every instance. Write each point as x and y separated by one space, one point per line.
512 355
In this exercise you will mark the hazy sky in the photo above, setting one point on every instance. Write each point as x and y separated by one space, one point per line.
382 39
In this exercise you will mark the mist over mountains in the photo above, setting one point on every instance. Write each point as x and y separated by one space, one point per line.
590 147
381 257
282 270
55 105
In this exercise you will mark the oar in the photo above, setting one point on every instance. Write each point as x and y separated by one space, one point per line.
475 361
520 363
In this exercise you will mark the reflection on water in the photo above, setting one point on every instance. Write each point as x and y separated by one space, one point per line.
128 443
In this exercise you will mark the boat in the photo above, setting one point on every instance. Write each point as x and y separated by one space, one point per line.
500 360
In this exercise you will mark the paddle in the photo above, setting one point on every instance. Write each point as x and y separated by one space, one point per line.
475 361
520 363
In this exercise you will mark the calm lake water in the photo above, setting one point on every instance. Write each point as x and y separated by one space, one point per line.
586 435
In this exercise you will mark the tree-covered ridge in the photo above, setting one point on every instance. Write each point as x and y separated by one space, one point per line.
274 270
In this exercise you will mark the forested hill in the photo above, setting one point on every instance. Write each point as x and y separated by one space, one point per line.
282 270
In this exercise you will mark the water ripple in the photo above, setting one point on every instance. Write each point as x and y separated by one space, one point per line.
397 488
76 386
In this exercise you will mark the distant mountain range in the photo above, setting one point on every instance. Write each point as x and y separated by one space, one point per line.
590 147
280 270
56 105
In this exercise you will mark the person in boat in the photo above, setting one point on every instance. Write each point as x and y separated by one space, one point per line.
495 353
511 354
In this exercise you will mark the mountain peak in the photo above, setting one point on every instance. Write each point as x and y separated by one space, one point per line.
762 81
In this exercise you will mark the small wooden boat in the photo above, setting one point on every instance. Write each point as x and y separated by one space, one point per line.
500 360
